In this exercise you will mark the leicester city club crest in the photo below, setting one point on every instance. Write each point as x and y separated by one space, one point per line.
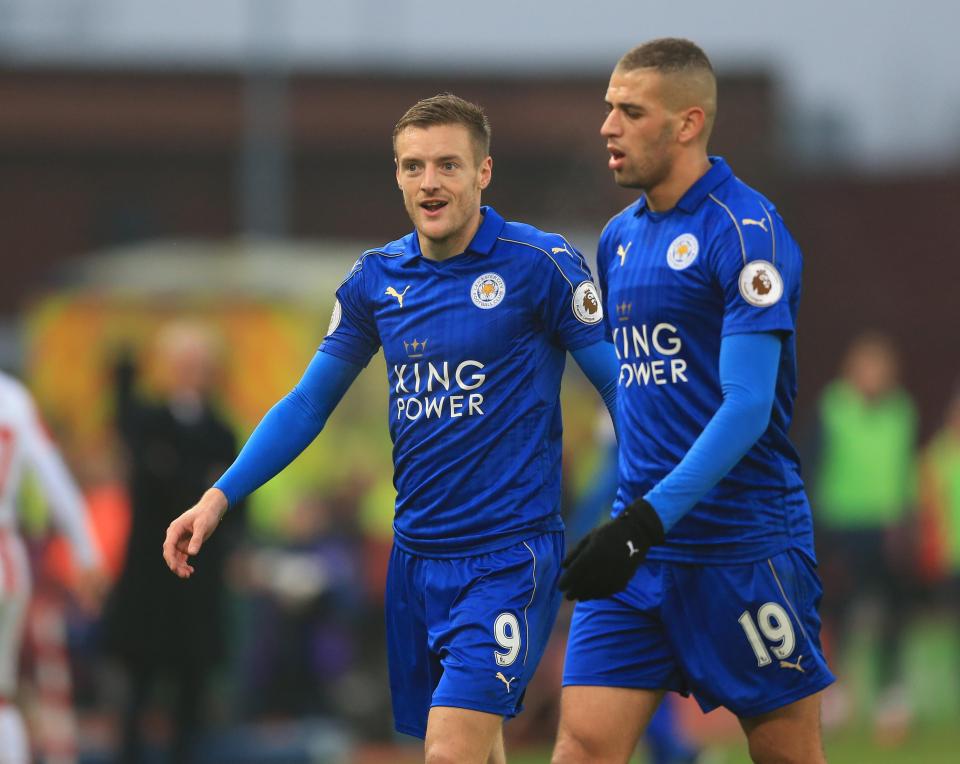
682 251
488 291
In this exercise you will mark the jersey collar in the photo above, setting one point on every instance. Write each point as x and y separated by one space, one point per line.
718 173
486 236
491 224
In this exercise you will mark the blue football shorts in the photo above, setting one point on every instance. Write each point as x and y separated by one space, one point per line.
468 632
743 636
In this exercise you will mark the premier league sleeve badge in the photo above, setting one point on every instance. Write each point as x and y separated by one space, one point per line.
761 284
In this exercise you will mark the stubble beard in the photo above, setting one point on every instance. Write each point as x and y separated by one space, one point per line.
655 166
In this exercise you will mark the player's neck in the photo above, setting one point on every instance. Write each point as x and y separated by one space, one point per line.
456 243
686 171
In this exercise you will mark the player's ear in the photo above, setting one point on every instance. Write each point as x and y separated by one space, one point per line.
691 124
485 174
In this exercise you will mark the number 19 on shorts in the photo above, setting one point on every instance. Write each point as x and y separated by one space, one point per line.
774 624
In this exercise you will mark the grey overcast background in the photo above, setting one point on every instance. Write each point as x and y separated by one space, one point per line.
881 77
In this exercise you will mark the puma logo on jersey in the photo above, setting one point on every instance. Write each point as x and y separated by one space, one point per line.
632 548
558 250
797 666
399 295
622 253
751 221
503 679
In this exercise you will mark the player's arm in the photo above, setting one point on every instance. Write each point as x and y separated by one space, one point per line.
606 559
67 505
572 311
291 425
599 360
283 433
748 377
599 363
68 509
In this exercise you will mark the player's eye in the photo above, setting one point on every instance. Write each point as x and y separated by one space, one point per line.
450 166
411 167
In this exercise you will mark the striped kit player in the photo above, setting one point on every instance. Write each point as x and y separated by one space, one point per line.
24 444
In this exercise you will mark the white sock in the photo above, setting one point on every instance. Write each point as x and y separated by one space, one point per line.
13 736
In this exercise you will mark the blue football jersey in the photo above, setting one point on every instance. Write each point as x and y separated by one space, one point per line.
674 283
475 348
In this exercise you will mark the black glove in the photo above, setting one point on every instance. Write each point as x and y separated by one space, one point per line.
605 560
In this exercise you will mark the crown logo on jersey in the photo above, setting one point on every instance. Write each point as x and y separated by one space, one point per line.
623 310
415 349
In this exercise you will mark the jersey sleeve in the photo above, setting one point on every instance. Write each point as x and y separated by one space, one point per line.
570 304
289 427
748 377
604 253
758 270
352 335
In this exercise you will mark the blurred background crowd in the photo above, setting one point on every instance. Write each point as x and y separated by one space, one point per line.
183 187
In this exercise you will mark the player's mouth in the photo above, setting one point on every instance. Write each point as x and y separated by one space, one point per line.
617 158
432 207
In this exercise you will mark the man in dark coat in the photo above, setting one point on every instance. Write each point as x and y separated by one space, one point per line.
176 447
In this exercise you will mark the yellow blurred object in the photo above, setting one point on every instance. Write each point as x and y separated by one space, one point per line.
266 310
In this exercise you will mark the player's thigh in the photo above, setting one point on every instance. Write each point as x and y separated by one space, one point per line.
491 626
619 661
414 670
462 735
787 735
622 641
602 724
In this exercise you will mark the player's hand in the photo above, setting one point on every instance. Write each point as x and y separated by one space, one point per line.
90 589
186 534
605 560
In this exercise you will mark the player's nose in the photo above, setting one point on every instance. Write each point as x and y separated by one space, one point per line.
611 125
430 180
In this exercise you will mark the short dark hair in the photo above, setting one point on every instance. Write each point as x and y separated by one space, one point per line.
448 109
667 55
692 75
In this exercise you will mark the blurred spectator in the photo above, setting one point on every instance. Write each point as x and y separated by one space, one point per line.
308 603
176 447
863 487
24 443
940 506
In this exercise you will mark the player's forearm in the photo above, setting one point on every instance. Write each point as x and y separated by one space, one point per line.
289 427
748 376
600 365
66 502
